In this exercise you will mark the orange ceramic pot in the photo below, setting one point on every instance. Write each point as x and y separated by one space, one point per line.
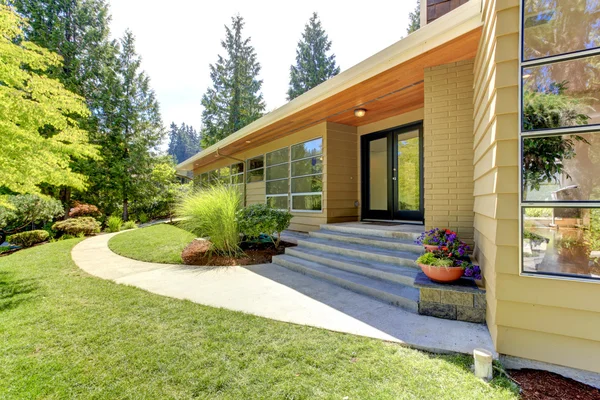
442 274
430 248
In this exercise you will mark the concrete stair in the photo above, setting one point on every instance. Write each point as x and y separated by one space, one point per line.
374 262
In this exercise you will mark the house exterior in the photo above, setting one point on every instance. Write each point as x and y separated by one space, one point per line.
483 122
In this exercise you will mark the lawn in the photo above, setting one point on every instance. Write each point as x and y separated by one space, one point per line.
67 335
158 243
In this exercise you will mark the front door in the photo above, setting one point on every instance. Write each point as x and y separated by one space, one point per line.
392 178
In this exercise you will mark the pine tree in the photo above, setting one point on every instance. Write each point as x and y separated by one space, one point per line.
234 100
414 19
184 142
313 65
129 133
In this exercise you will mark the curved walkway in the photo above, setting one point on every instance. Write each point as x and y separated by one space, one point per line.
274 292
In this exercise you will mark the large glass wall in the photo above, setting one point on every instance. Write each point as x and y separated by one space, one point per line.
560 138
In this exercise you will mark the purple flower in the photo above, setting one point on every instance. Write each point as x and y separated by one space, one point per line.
468 272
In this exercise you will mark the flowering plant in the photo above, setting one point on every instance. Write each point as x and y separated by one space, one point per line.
471 270
434 237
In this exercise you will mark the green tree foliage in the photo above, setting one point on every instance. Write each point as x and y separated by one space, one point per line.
184 142
38 116
414 19
26 209
234 100
313 63
129 133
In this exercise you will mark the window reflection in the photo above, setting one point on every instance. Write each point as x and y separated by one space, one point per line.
553 27
562 241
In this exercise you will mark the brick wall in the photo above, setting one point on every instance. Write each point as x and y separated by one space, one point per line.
448 148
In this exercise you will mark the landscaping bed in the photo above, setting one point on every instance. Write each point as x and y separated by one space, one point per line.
543 385
253 253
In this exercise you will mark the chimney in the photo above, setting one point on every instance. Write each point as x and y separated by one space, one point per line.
433 9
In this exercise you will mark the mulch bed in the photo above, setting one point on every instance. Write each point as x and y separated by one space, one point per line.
543 385
254 253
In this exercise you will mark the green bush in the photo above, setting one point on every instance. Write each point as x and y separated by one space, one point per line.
129 225
431 259
29 238
260 219
114 223
26 209
212 213
143 218
75 226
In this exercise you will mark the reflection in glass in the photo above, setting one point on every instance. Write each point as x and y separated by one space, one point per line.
562 168
562 94
278 156
278 203
256 162
554 27
409 177
307 184
307 202
378 174
255 176
308 166
277 187
565 245
307 149
278 172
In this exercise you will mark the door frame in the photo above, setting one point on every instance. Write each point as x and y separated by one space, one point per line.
392 213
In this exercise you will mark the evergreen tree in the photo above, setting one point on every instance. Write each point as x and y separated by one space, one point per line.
129 133
184 142
414 19
313 65
234 100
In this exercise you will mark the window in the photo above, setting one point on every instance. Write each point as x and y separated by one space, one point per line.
255 167
277 180
237 173
307 176
201 180
560 139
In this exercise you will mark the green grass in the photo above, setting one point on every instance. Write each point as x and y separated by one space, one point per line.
68 335
158 243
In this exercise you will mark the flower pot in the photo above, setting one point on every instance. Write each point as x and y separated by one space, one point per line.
442 274
430 248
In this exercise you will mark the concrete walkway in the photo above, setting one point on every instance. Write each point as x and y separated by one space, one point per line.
274 292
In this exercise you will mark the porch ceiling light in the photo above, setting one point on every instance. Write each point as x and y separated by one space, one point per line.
360 112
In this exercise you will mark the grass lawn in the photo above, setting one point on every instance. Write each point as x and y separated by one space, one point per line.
67 335
158 243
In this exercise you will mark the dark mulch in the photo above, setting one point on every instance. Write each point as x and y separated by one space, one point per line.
543 385
254 253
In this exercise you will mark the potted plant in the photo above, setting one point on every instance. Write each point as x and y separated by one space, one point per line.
439 268
432 240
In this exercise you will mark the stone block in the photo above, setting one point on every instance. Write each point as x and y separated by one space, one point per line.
430 295
457 298
479 301
446 311
470 314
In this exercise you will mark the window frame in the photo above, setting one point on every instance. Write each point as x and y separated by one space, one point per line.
289 164
523 205
247 170
292 194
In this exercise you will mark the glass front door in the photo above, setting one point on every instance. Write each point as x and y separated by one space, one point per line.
392 175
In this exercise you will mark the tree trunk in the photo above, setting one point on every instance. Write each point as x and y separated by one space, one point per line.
65 197
125 209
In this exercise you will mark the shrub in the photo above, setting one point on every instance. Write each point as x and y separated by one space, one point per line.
260 219
29 238
84 210
26 209
212 213
143 218
75 226
114 223
129 225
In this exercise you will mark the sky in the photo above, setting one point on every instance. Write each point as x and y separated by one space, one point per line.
179 39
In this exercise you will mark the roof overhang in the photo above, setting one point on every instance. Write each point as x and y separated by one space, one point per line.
386 84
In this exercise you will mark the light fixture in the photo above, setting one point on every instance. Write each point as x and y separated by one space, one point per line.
248 141
360 112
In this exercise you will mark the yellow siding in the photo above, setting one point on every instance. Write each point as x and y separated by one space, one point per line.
448 140
342 173
549 320
255 192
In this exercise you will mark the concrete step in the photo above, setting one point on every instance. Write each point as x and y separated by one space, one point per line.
403 296
371 269
381 242
361 251
367 230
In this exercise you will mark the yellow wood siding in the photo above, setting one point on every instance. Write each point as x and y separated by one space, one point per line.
549 320
342 173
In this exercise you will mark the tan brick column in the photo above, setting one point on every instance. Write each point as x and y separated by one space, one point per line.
448 148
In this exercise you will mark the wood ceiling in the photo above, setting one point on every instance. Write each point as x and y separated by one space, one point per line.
395 91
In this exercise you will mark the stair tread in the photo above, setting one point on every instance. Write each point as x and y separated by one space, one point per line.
367 237
370 231
409 255
396 289
379 266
